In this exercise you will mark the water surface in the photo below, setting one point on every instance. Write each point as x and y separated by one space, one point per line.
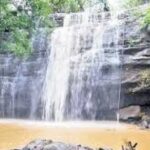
17 133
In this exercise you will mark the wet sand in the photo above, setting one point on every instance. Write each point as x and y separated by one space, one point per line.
17 133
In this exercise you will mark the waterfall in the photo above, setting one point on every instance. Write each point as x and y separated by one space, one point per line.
83 73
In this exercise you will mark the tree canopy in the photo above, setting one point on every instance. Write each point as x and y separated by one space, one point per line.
18 19
145 14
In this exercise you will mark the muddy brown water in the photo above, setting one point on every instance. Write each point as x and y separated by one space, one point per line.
17 133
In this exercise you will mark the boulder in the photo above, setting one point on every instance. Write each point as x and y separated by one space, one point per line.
50 145
131 112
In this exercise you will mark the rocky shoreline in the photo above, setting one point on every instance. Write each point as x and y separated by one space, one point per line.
135 115
50 145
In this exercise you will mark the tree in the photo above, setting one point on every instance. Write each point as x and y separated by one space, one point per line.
18 23
134 3
18 20
145 14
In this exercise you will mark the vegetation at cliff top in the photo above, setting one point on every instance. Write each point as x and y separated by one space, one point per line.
134 3
18 22
145 14
18 19
146 20
145 78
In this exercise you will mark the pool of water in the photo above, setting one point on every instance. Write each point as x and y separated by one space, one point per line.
17 133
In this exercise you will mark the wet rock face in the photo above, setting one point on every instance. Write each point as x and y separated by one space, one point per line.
50 145
135 66
135 94
21 81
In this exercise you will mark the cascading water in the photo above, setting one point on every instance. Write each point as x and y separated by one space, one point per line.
83 74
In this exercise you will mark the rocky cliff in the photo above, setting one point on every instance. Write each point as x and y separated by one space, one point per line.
136 67
21 80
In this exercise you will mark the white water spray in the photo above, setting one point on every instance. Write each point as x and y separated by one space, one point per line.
83 75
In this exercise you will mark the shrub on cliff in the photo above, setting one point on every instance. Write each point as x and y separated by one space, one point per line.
145 14
145 78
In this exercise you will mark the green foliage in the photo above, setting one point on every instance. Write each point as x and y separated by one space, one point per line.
74 5
145 78
20 21
144 14
11 22
20 43
39 7
146 19
67 5
133 3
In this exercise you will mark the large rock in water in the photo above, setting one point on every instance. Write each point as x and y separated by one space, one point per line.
50 145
